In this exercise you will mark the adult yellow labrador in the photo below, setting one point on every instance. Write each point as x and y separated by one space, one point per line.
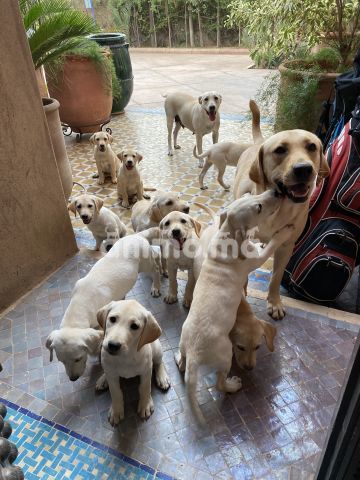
291 161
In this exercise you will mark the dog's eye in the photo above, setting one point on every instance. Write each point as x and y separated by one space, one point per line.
77 360
241 348
259 208
183 220
90 206
134 326
169 203
311 147
78 206
112 319
97 139
206 99
280 150
216 98
167 223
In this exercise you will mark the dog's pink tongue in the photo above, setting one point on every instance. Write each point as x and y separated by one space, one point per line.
299 190
181 243
212 116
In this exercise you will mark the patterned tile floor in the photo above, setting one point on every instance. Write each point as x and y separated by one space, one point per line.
274 428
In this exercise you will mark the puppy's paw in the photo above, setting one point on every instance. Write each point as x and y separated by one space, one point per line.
201 164
162 379
146 407
114 180
187 302
232 384
102 383
101 181
125 204
170 153
205 187
177 147
155 292
275 309
170 298
115 416
180 361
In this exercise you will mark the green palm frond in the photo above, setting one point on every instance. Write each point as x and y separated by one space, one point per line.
54 27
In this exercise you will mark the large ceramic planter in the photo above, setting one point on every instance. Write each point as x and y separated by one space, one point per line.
121 58
85 100
292 79
51 109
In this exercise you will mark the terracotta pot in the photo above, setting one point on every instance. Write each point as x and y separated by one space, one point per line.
290 78
51 109
85 102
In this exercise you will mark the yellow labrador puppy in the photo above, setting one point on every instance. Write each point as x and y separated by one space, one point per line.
106 161
147 214
199 115
179 235
247 336
292 162
131 348
129 183
230 258
101 221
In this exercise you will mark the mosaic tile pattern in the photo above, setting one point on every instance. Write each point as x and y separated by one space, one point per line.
50 451
274 428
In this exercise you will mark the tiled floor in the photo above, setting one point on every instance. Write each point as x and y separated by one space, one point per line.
274 428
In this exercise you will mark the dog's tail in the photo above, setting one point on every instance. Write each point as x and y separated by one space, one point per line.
80 185
207 210
191 373
203 155
256 130
149 189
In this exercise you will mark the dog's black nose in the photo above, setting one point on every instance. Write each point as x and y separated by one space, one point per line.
186 209
212 108
74 378
113 347
248 367
84 217
176 232
302 171
108 247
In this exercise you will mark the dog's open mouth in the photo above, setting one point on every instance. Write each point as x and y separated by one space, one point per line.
212 115
129 167
179 242
87 221
298 193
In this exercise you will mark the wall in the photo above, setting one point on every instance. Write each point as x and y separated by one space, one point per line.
36 236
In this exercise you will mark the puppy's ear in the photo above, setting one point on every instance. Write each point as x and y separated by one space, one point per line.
223 217
110 138
98 204
197 226
139 157
200 99
92 139
269 334
49 344
151 331
220 97
102 314
324 170
120 156
72 207
256 172
92 340
154 212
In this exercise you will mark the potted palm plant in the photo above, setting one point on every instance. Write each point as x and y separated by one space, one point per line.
53 27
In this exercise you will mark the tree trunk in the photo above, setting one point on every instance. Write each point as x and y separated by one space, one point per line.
218 40
240 36
136 27
152 27
201 38
186 28
168 21
191 29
